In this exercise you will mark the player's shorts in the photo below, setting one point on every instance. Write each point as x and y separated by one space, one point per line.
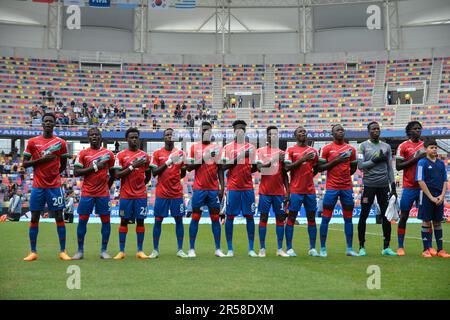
133 209
209 198
308 200
331 197
265 202
87 204
428 210
163 206
241 201
409 196
53 197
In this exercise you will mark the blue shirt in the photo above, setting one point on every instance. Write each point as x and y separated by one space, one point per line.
433 174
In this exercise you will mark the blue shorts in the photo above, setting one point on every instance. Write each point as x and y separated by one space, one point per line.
209 198
428 210
162 207
308 201
331 197
265 202
132 209
53 197
241 201
409 196
87 204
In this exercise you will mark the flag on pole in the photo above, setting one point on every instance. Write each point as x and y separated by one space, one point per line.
158 4
185 4
100 3
79 3
127 4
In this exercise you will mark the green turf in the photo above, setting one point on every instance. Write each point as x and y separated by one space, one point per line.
208 277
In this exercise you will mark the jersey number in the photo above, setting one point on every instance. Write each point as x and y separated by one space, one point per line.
57 202
143 211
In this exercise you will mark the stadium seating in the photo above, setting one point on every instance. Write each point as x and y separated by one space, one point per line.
444 94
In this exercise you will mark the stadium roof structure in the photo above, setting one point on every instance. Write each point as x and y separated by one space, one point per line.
237 16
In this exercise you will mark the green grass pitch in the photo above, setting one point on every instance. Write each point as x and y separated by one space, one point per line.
208 277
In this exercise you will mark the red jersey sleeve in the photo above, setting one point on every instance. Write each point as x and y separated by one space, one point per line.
29 149
401 152
353 156
63 151
79 162
325 153
155 160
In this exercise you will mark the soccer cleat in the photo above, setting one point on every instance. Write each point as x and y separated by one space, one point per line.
313 252
262 253
323 253
401 252
120 256
433 251
388 252
281 253
141 255
104 255
154 254
230 254
78 256
31 256
362 252
252 253
219 253
351 253
181 254
291 253
427 254
64 256
191 253
443 254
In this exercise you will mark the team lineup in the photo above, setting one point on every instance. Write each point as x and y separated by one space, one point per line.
287 183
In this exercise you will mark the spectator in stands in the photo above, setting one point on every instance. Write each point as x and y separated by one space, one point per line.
163 105
233 102
155 103
389 97
144 111
408 99
183 106
68 211
397 180
240 102
154 124
116 147
253 103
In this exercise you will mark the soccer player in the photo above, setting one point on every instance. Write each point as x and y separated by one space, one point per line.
302 162
47 155
239 157
375 161
132 167
95 165
431 176
408 154
168 166
203 158
339 160
273 189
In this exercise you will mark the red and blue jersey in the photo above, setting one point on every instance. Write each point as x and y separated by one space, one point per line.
133 185
239 176
206 176
302 177
95 184
169 182
46 175
339 177
406 151
272 181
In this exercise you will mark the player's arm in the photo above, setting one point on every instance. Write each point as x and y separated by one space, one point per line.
324 166
401 163
221 176
111 178
122 173
27 162
288 165
441 197
156 171
183 171
79 170
353 167
148 175
363 163
192 166
286 185
427 192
